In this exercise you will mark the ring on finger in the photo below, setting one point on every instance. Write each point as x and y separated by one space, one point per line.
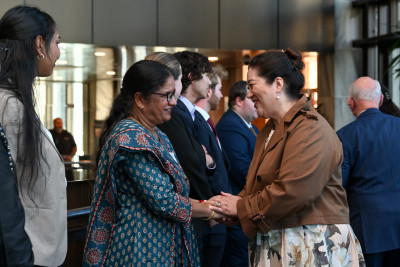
218 204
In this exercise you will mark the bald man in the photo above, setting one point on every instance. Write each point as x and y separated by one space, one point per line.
65 144
371 174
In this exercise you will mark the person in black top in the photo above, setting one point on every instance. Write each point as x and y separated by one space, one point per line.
15 245
65 144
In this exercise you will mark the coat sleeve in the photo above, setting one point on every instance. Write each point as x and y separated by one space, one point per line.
11 117
155 186
309 158
15 245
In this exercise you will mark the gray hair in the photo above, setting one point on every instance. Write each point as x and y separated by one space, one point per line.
372 94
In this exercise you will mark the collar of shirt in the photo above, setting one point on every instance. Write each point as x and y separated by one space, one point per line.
247 123
189 105
203 113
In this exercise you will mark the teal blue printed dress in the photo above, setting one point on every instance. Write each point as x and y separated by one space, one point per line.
140 213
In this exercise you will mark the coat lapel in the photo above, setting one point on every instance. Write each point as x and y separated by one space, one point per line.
260 152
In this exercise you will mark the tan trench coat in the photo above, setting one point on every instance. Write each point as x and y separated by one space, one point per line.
297 179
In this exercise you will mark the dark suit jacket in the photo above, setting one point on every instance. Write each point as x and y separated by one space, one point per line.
181 133
216 236
219 180
371 177
15 245
238 142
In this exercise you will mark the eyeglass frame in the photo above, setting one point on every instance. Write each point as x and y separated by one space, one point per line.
169 95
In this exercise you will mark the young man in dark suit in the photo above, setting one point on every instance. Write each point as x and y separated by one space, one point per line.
195 161
213 238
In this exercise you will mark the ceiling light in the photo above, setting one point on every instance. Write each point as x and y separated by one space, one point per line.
110 72
99 54
212 59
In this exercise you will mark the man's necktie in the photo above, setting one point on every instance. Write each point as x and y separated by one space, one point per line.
212 125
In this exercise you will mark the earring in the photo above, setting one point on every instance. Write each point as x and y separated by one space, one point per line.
278 96
41 57
141 107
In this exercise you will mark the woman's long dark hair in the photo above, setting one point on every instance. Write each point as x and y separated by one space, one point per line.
144 77
19 28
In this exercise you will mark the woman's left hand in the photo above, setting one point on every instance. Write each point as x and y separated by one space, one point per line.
224 203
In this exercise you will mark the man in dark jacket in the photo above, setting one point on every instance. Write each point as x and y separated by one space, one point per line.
371 174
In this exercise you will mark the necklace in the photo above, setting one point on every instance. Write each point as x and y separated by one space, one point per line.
153 133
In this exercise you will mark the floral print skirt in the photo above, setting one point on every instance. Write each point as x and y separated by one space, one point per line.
331 245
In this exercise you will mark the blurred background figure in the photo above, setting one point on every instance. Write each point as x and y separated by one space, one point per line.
238 138
65 144
388 106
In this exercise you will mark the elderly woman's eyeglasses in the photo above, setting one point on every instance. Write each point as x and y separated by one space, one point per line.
167 95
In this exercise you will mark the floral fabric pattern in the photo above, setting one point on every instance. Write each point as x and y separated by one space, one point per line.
141 213
307 245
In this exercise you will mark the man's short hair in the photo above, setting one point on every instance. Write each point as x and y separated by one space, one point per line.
369 94
238 89
217 71
194 63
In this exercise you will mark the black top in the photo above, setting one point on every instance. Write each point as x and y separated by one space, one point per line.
15 245
64 141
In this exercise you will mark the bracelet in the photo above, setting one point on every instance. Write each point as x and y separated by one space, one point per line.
209 218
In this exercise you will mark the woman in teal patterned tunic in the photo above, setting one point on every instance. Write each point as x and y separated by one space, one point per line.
141 211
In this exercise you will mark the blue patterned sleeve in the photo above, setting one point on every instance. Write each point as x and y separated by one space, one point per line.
155 186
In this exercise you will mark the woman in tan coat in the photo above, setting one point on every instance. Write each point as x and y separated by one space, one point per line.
293 207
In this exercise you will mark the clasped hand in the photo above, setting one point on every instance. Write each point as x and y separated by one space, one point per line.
225 207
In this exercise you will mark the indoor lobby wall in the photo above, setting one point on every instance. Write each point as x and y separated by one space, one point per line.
347 58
